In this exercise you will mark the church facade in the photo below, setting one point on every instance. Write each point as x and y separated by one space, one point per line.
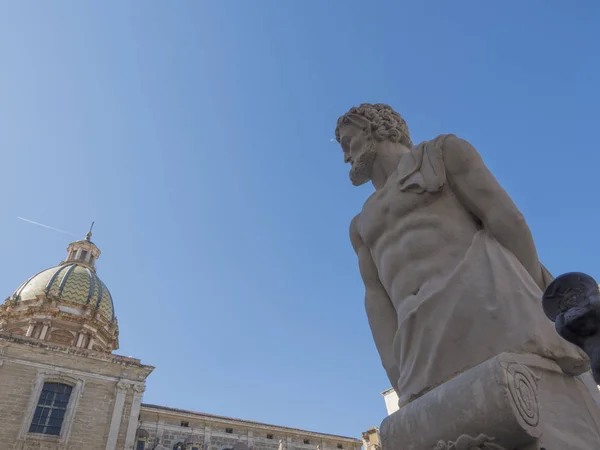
63 388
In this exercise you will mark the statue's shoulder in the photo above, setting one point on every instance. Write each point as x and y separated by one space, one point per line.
355 237
433 146
450 147
440 141
438 156
354 223
451 142
442 137
427 173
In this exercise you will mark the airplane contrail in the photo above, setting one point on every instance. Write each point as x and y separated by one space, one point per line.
46 226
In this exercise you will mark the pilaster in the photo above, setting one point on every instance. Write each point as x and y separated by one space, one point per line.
115 423
138 391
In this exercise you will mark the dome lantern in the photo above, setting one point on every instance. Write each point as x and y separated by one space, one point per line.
83 252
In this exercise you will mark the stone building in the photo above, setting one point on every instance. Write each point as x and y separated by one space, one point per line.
371 439
62 388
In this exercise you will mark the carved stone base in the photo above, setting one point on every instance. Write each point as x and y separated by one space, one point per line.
510 402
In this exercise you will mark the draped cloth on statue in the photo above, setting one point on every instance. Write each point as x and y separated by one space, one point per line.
488 304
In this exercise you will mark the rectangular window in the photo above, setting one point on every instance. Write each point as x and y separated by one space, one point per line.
229 430
37 330
141 445
269 436
340 446
51 408
185 424
195 448
306 441
83 255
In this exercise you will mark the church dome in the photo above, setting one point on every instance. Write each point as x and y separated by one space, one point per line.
67 304
69 282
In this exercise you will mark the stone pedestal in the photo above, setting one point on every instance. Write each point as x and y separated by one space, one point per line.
509 402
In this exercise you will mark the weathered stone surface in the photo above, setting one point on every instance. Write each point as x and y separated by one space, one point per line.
24 362
466 442
521 401
450 269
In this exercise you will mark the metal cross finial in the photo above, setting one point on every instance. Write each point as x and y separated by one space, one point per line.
88 236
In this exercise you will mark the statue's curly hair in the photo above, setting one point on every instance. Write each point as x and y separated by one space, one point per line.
384 123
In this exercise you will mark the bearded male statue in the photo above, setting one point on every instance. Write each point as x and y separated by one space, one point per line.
451 273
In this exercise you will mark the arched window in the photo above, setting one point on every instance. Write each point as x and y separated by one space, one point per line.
51 408
142 437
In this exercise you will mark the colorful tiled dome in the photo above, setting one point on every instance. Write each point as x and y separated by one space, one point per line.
66 305
70 282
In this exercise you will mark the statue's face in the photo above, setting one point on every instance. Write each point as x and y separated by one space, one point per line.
359 151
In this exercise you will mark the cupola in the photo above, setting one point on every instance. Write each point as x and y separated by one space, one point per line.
67 304
83 252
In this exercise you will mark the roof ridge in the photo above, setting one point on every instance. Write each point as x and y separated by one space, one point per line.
216 416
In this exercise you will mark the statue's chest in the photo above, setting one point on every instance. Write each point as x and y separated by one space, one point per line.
390 207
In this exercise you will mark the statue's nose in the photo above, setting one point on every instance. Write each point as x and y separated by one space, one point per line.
347 158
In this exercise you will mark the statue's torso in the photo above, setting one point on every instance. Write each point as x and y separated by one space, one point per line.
414 238
452 284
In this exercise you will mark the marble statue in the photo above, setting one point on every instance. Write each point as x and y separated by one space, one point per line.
451 273
282 445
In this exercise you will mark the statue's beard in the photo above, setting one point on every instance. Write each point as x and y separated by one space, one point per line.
362 168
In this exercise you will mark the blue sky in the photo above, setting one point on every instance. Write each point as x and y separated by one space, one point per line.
197 135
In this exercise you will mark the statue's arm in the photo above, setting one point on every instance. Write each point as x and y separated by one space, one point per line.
380 310
479 191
